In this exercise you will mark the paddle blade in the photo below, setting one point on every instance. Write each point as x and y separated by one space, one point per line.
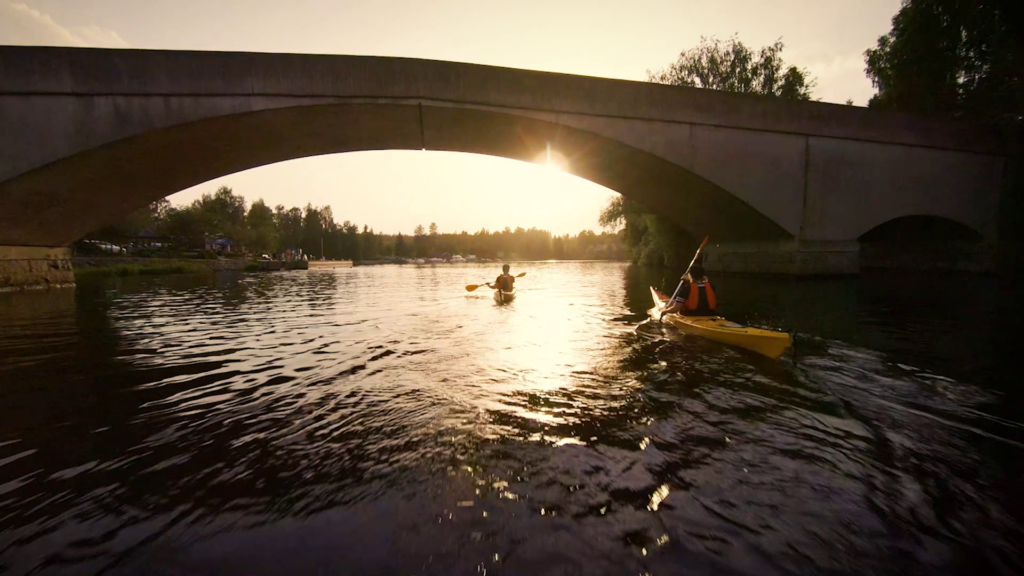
472 287
521 274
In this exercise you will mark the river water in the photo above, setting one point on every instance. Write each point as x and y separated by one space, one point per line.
382 420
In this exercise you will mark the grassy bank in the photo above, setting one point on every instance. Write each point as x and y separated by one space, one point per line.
146 269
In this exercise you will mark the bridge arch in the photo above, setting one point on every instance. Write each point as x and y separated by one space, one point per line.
925 242
922 229
76 195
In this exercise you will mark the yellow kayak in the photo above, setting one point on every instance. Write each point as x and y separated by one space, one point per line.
502 297
771 344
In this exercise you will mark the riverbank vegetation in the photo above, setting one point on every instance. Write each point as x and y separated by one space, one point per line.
649 239
952 59
260 229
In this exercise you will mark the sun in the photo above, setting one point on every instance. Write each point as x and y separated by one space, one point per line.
553 160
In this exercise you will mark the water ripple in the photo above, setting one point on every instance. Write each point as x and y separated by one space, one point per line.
382 420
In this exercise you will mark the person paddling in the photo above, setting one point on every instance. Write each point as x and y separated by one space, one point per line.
696 296
505 282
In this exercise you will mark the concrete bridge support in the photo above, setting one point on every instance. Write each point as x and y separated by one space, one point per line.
791 257
28 267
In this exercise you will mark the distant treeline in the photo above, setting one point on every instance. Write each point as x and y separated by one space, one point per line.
260 229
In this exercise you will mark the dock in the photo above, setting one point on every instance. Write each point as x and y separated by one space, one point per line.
318 264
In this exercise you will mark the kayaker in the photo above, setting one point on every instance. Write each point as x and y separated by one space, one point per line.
696 296
505 281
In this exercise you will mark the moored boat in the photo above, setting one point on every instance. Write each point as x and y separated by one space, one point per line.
768 342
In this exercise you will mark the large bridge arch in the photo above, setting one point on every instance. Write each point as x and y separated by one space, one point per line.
66 199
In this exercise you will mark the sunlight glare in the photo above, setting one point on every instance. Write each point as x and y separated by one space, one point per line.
554 160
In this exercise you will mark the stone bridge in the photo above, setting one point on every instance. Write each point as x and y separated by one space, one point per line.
89 135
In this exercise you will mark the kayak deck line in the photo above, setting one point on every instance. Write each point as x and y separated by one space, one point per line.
770 343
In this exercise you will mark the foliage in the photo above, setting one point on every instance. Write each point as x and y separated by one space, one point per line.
222 213
185 223
262 234
650 239
316 224
419 242
952 58
371 244
731 66
400 250
289 227
315 231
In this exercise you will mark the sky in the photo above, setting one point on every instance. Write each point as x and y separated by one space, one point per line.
393 191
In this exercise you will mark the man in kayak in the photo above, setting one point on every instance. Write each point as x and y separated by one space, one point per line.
505 281
696 296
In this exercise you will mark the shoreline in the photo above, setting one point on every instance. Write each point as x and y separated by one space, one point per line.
116 266
88 263
489 262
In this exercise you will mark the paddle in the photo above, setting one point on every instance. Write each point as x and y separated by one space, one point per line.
471 287
680 285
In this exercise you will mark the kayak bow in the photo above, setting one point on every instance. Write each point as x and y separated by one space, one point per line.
768 342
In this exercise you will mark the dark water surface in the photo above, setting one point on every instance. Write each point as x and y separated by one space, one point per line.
381 420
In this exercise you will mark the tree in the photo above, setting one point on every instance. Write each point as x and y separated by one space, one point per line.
419 239
289 226
733 67
353 242
262 236
649 238
222 213
370 243
952 58
399 246
312 232
185 225
432 240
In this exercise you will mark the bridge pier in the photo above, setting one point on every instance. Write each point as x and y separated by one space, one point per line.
791 257
810 258
29 267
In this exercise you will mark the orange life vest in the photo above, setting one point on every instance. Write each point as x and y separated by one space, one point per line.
505 282
693 298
